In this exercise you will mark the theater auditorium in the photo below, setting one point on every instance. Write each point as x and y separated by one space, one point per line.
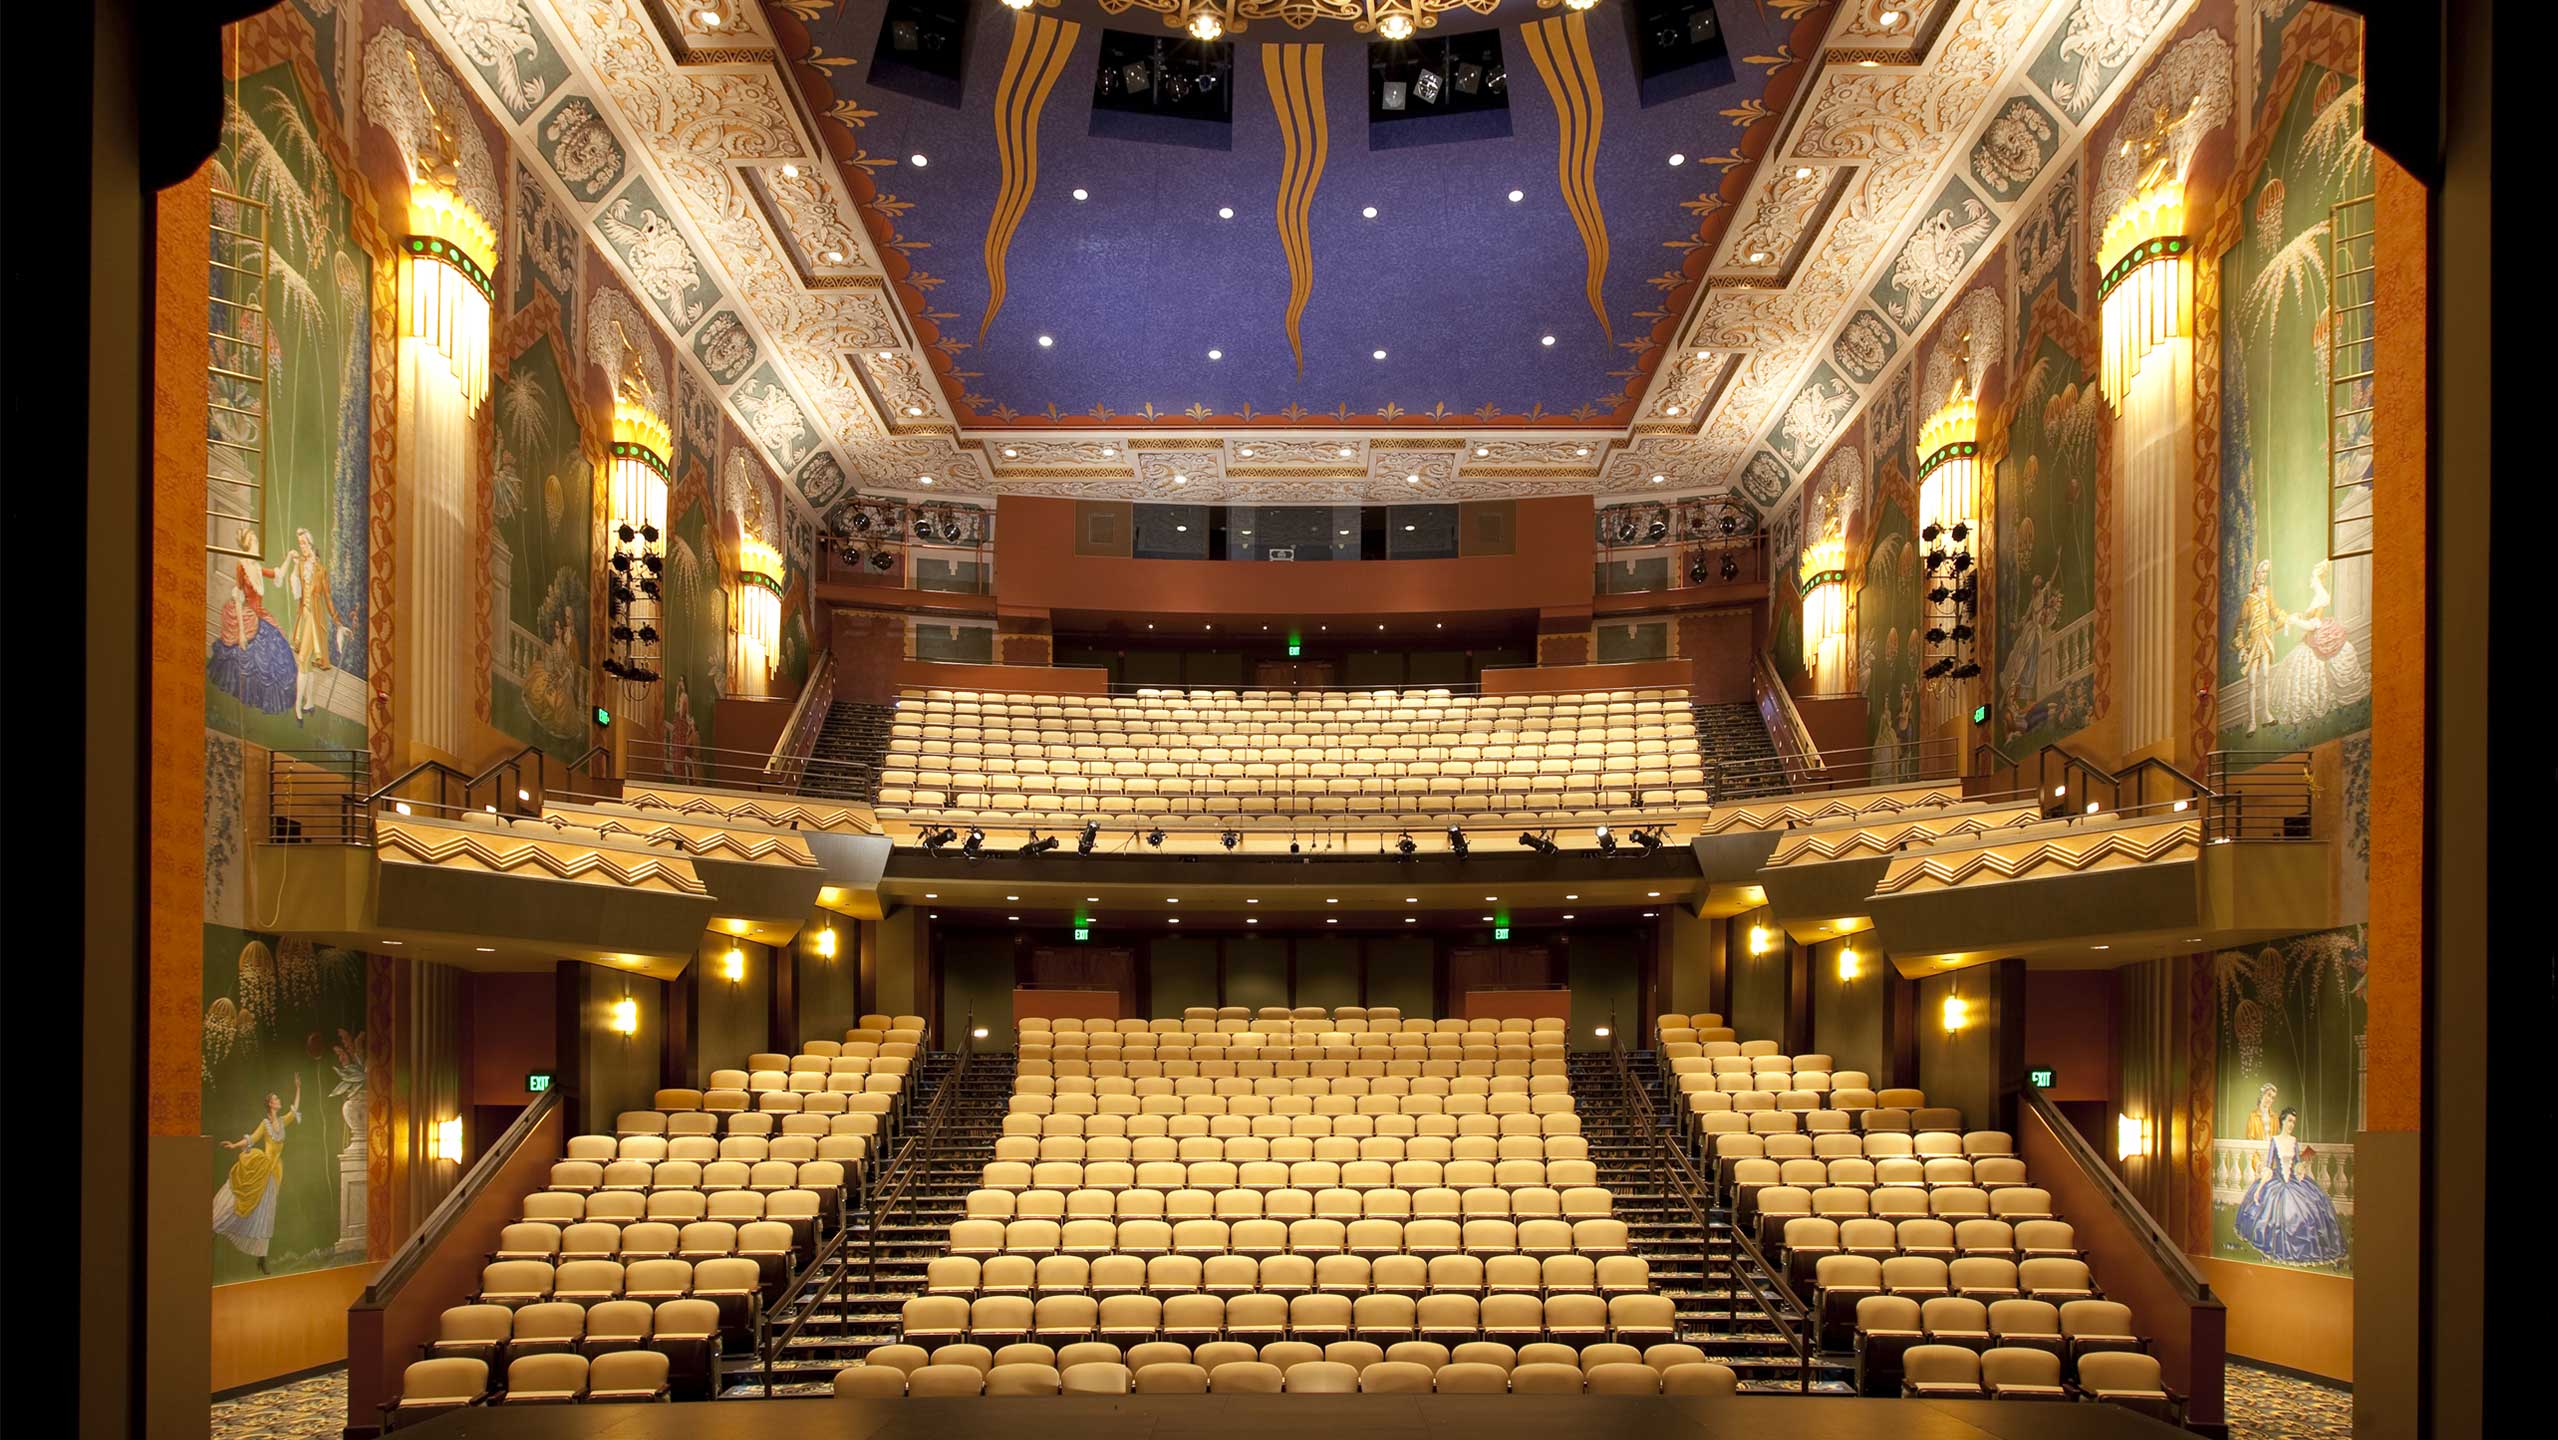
860 717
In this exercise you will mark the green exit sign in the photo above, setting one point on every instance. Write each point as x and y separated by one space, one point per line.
1295 649
603 716
1980 714
2040 1079
1083 932
1501 932
538 1081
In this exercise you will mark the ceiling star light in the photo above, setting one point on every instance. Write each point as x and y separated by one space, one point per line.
1369 213
1518 195
1548 340
1376 354
1082 194
918 161
1225 212
1216 354
1677 159
1046 340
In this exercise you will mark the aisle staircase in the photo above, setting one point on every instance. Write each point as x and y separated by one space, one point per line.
1695 1270
851 746
1740 759
846 1319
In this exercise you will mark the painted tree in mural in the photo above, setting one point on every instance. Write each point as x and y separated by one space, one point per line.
285 657
2294 617
2045 552
543 482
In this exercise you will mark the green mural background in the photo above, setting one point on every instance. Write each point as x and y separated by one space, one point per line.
2290 1021
543 489
2044 548
1890 645
281 1014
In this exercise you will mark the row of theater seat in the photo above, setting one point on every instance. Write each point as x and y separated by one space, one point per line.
1303 1062
866 1115
1231 1088
1806 1239
801 1143
645 1240
1551 1101
1283 1274
1377 1316
1875 1145
1287 1149
1885 1325
1310 1126
1313 1236
1840 1281
1314 1174
644 1177
1413 1367
441 1386
801 1209
1294 1202
1956 1372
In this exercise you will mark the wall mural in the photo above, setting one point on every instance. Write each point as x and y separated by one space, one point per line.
285 1095
286 631
2043 546
542 479
696 626
2290 1017
2295 626
1890 647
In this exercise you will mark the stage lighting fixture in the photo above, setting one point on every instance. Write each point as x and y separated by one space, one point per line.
1155 838
1425 87
1660 527
975 844
1542 844
1696 571
1731 568
1404 846
935 839
1392 98
1931 531
1230 839
881 560
1092 832
1036 845
1607 842
1457 840
1649 839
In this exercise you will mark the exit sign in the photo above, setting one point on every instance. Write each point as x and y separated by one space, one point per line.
538 1081
1083 932
1501 932
603 716
1980 714
2040 1079
1295 649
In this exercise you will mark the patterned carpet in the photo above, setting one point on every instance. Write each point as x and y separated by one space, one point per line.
310 1409
2262 1405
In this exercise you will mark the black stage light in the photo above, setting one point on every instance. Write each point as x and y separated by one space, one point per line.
1230 839
1935 635
1731 567
1938 595
1542 844
1660 527
1035 845
1155 837
1962 633
1607 842
1092 832
882 560
1404 846
935 839
1931 531
1696 571
1457 840
975 845
1392 98
1650 840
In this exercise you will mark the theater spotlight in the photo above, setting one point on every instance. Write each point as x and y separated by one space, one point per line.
1155 837
1092 832
1404 847
1607 842
1731 567
935 839
975 844
1457 840
1542 844
1650 840
1230 839
1036 845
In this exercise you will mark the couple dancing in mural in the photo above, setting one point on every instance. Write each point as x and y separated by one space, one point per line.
2284 1214
2321 673
253 659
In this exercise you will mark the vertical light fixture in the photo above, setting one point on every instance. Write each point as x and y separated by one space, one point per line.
1849 965
759 610
1956 1013
1824 584
1949 471
636 481
2131 1136
623 1018
2147 275
732 966
826 943
444 1141
447 258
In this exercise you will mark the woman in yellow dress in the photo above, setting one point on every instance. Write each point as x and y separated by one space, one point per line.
244 1208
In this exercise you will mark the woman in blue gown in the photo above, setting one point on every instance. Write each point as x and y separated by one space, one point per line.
250 658
2284 1214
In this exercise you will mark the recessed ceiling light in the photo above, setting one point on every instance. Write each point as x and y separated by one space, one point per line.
1567 917
1411 480
1518 195
1868 64
834 257
923 479
918 161
485 949
1181 529
1083 194
1491 899
1411 899
1010 452
1252 919
1407 530
914 409
1332 899
1411 919
1216 354
1571 897
1012 897
1482 450
1705 354
1581 450
1012 917
2100 947
1545 339
1647 914
1370 213
1344 452
1652 894
1046 340
1225 212
1329 920
931 895
1174 920
1802 172
1376 354
1889 19
1672 409
1181 479
1677 159
1245 452
1487 919
884 354
1169 899
708 17
1252 902
1758 257
1657 479
790 172
1109 450
395 942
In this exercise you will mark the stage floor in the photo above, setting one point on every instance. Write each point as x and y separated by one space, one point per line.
1293 1417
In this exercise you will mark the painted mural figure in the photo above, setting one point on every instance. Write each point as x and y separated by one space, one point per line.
2321 673
317 630
244 1208
2284 1214
251 659
2260 619
682 739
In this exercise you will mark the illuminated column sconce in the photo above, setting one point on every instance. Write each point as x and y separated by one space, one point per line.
1950 524
732 966
636 482
759 606
2131 1136
447 261
2144 257
1849 965
444 1141
1957 1013
623 1018
1761 940
826 943
1824 586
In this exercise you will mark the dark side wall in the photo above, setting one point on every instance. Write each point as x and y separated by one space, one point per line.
1758 981
1848 1015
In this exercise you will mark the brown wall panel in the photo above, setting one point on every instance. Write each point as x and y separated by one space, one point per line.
266 1328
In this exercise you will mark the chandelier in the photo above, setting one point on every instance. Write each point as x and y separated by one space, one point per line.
2148 280
636 485
1949 527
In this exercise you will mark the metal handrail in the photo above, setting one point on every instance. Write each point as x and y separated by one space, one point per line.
1851 767
513 766
891 1187
662 762
395 1272
1671 1168
791 752
2164 1252
1792 738
2261 795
